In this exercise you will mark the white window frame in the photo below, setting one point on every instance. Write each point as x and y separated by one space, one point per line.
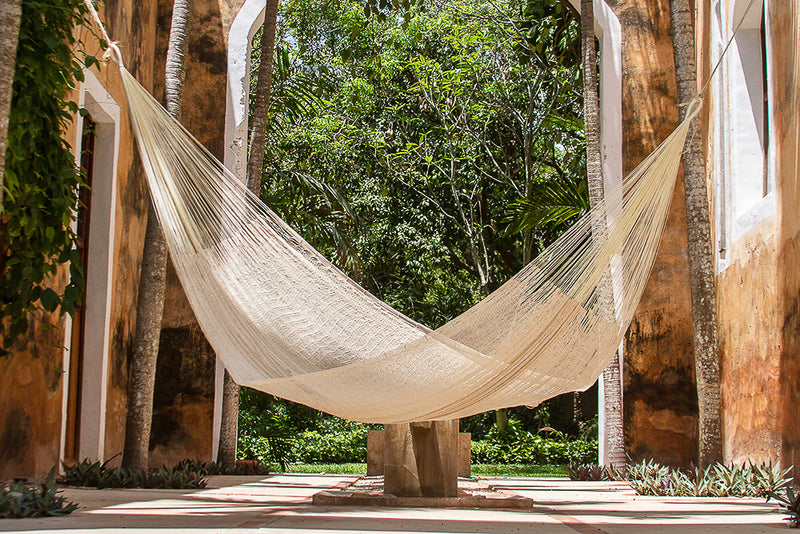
742 168
105 113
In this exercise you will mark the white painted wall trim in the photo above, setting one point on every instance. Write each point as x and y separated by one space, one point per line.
249 19
609 33
99 271
741 161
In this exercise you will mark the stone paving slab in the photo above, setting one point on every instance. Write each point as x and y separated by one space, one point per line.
472 493
283 504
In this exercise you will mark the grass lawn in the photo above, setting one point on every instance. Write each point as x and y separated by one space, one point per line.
512 470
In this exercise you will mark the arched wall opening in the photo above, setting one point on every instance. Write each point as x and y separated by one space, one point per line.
251 17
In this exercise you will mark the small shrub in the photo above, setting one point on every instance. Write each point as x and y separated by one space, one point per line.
648 477
172 478
335 442
344 446
586 472
97 475
790 502
531 449
214 468
37 499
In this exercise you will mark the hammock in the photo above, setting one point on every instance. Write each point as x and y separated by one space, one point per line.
286 321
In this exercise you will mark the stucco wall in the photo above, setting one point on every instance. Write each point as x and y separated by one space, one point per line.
184 391
759 279
134 25
748 342
31 380
660 403
785 24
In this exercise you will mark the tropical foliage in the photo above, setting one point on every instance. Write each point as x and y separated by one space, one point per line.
34 499
41 179
184 475
519 446
648 477
429 151
413 151
282 433
790 504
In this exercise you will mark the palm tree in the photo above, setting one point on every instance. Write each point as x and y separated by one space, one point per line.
10 15
152 281
255 162
701 261
612 386
553 203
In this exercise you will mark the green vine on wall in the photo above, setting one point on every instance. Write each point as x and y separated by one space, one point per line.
41 178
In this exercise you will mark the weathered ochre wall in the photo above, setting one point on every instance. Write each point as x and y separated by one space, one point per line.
759 326
747 315
133 24
660 402
31 380
748 345
183 405
785 37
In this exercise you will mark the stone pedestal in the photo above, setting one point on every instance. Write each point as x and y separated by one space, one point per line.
421 459
376 446
399 464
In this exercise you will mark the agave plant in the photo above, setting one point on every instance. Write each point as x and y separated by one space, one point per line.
214 468
36 499
586 472
184 475
747 480
770 478
790 502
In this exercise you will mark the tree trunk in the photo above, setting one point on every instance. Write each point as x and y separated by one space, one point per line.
612 386
612 401
228 432
255 162
152 282
10 15
700 251
501 420
258 133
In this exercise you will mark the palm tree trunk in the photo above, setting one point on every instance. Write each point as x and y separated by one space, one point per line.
229 429
258 133
612 386
255 162
701 261
152 282
10 15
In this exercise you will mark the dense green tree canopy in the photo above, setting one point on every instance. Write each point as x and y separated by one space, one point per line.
414 150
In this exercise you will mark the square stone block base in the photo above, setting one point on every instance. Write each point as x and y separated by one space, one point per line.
376 446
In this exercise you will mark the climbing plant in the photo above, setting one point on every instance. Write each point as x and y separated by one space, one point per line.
41 178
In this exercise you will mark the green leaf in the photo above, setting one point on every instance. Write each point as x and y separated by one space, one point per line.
49 299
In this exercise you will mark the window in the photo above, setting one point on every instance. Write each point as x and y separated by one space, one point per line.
743 175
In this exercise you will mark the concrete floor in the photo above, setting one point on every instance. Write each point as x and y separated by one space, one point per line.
282 503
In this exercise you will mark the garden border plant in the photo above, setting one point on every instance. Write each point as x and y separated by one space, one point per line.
790 504
34 499
186 474
648 477
41 179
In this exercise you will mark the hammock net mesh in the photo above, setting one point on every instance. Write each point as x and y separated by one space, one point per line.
286 321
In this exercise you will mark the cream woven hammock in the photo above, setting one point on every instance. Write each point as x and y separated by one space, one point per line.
286 321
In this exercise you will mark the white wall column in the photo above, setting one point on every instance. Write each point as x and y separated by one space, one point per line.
247 22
